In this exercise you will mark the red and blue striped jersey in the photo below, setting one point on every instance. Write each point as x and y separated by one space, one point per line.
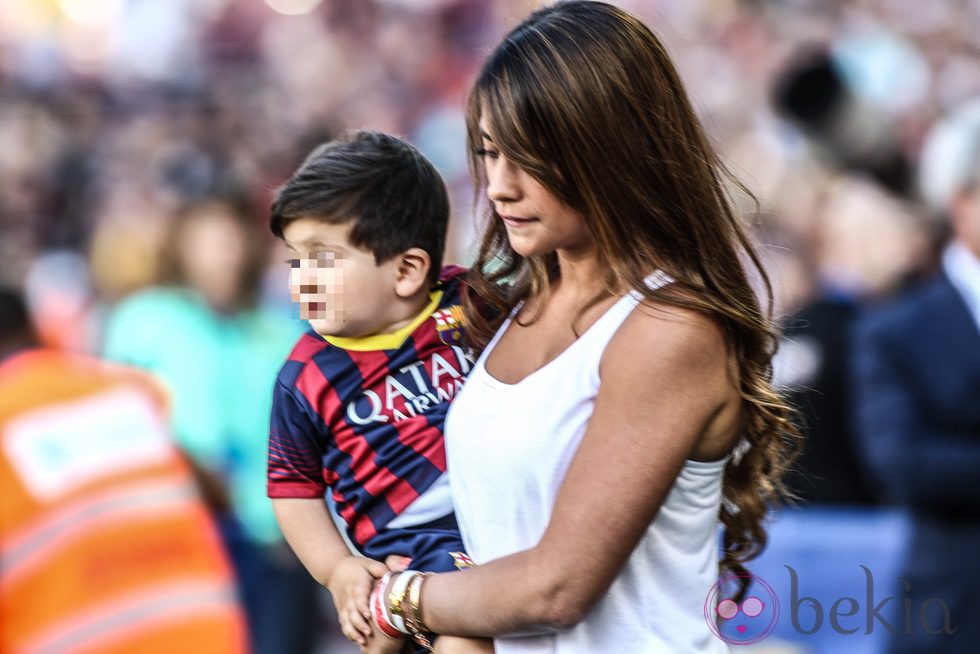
364 418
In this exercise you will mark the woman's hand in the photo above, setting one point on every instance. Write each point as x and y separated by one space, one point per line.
350 583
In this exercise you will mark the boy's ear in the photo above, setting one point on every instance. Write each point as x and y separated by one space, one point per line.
412 272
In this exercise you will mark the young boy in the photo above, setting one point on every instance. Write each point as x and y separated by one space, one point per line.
359 405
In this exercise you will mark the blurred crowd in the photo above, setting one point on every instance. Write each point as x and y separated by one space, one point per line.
118 118
114 113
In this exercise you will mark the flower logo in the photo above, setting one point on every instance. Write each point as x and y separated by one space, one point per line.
745 622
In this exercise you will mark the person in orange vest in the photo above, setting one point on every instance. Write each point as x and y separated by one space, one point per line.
105 543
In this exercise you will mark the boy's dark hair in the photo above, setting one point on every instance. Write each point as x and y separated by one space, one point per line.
391 193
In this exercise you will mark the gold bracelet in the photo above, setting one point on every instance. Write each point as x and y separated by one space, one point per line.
415 601
413 620
397 591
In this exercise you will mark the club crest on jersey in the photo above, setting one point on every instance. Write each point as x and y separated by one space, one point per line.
462 561
449 324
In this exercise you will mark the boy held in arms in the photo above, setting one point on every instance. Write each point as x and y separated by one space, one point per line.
359 405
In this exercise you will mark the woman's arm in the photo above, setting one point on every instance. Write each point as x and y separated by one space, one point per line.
666 395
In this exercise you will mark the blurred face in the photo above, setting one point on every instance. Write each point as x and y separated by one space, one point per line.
340 289
213 253
855 214
537 222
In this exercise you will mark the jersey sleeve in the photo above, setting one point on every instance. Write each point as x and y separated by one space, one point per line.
296 449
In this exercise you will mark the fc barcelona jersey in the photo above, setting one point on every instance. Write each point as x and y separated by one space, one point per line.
363 418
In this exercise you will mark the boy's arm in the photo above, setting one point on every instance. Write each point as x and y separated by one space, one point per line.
311 532
295 483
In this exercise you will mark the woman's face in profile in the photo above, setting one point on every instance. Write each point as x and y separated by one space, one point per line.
213 250
537 221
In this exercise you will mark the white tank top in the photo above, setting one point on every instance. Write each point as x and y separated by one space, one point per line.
509 447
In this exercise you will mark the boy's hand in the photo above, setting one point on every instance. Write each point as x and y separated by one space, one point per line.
350 583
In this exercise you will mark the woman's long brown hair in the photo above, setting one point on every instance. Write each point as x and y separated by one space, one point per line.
584 98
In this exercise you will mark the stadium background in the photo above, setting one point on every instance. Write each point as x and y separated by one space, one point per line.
114 113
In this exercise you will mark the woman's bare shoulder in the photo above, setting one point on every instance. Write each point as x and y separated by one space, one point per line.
676 362
656 335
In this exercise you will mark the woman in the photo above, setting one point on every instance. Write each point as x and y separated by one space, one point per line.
624 403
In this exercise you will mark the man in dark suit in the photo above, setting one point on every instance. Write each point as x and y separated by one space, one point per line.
917 384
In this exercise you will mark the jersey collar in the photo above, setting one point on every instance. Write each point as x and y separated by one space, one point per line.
391 341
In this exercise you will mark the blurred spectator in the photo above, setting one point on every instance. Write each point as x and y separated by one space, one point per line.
61 300
917 370
842 275
815 349
811 368
813 91
105 543
218 352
